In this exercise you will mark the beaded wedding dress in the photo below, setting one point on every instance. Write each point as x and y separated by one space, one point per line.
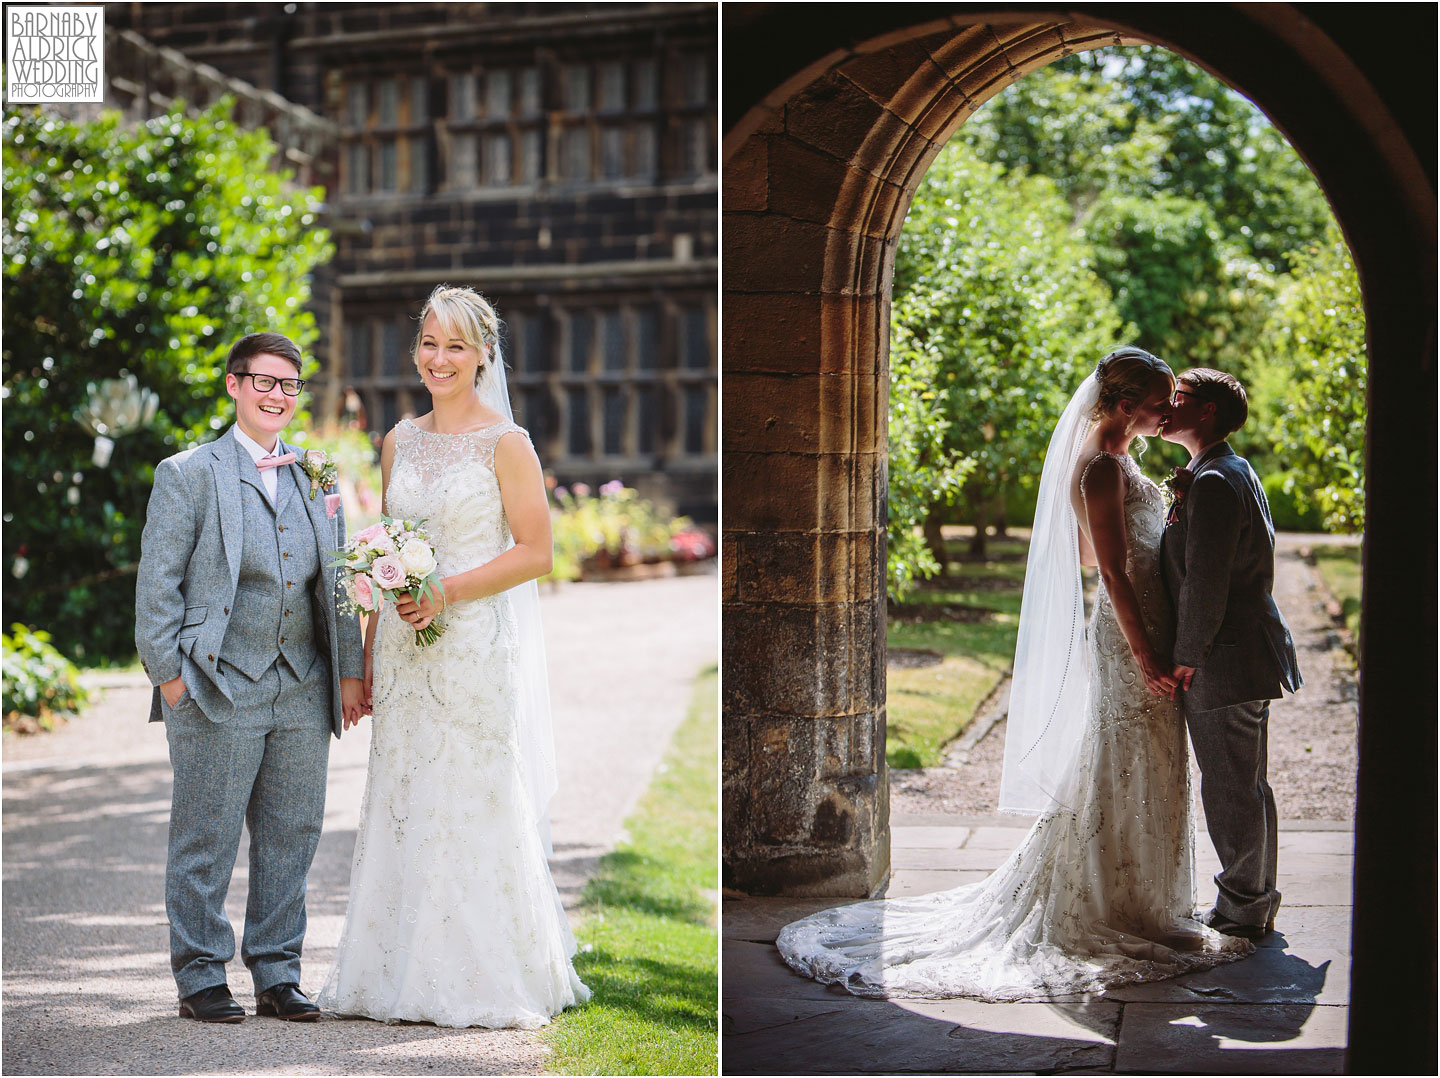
453 916
1101 892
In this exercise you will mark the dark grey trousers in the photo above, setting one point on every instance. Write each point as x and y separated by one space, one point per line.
1230 746
265 768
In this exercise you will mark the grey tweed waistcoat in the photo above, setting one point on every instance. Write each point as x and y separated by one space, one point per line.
271 615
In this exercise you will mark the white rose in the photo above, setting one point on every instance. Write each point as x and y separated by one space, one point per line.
418 558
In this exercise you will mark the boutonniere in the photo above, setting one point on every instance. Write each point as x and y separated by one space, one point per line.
316 463
1176 487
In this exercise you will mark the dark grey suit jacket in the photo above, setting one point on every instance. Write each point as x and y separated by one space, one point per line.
189 570
1219 558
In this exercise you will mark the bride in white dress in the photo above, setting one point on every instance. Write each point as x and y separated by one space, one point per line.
1101 892
453 916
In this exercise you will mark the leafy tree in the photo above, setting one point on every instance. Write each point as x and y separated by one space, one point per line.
924 470
1200 217
998 313
1191 199
1143 121
142 250
1309 394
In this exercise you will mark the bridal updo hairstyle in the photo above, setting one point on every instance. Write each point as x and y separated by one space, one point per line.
1222 390
466 314
1129 374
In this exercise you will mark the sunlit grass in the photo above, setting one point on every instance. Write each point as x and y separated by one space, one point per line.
970 618
648 931
1340 569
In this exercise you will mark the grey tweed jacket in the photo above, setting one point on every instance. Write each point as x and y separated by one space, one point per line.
1219 559
190 567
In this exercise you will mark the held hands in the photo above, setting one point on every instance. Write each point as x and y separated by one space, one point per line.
1183 675
1158 677
354 699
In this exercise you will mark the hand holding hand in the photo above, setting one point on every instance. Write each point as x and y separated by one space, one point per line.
172 690
1158 678
1183 675
352 701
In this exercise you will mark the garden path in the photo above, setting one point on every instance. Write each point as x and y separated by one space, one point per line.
87 987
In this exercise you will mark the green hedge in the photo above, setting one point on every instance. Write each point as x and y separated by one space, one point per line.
38 680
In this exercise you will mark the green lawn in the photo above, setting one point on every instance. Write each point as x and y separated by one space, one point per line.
1340 569
648 928
970 618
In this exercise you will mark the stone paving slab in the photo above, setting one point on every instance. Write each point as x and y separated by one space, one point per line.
756 971
923 882
856 1036
930 837
1164 1038
1289 970
1282 1010
760 919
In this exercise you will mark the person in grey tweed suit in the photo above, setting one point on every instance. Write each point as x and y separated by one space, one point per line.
1233 652
254 668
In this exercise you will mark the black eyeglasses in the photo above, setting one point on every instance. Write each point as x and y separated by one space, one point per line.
1183 393
264 383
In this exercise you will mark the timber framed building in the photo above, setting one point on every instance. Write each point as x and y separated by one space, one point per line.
560 158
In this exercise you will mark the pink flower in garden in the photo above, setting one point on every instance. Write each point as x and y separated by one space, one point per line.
364 592
561 492
389 572
612 487
581 490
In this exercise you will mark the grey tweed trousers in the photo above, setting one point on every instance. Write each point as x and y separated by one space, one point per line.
265 768
1230 745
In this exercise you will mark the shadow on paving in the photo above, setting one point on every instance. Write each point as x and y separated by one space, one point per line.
1235 1018
87 983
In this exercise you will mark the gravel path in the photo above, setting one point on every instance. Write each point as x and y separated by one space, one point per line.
87 986
1313 758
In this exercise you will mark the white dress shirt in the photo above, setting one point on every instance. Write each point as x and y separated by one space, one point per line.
258 452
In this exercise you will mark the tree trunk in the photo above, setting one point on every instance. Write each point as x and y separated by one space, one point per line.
935 538
982 520
998 510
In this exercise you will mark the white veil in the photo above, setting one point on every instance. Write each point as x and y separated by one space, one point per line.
537 737
1049 687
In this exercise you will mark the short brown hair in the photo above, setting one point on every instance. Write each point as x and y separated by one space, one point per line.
1225 392
260 344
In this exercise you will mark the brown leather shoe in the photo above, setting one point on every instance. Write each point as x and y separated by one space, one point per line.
214 1004
286 1002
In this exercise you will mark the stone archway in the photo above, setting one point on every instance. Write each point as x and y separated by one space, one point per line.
829 128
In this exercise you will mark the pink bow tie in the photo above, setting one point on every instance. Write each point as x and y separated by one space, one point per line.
274 462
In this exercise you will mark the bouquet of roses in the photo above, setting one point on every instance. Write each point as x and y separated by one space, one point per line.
385 559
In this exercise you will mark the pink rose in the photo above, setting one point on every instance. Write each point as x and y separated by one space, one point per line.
389 572
369 535
316 458
364 592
